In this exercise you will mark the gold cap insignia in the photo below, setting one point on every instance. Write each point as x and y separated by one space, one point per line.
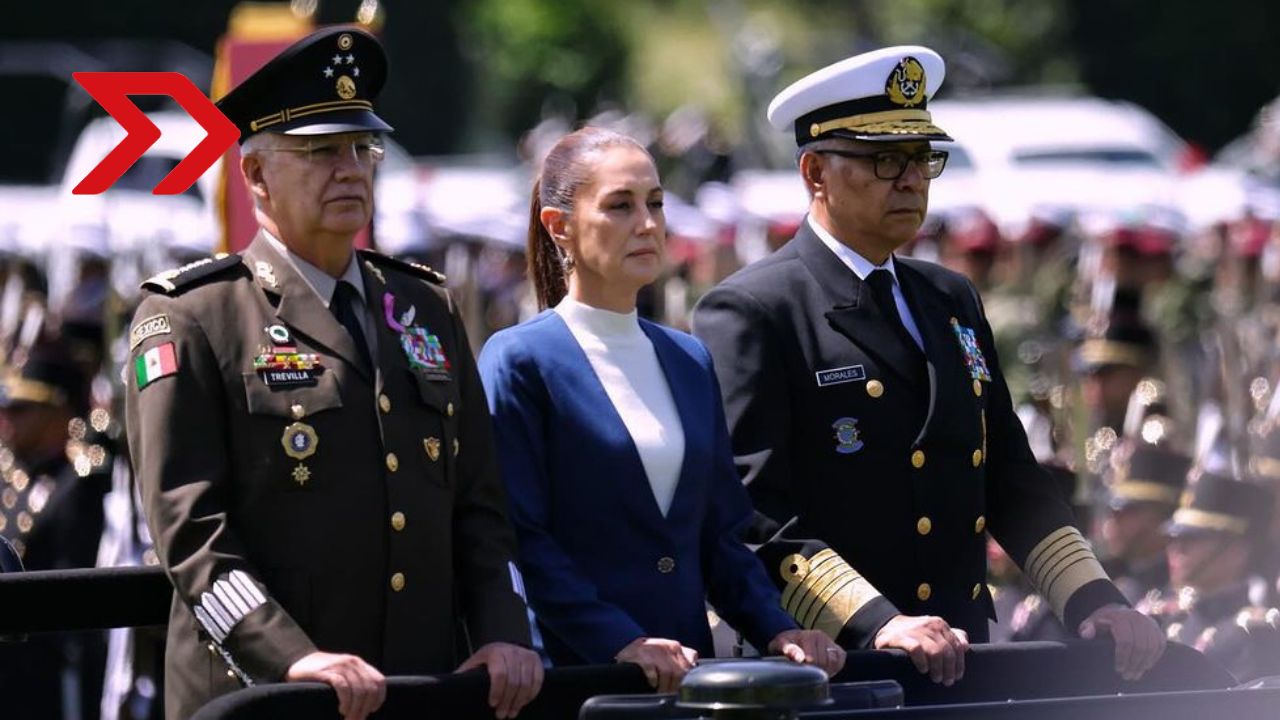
346 87
905 86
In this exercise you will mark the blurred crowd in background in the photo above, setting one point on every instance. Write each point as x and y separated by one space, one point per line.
1131 271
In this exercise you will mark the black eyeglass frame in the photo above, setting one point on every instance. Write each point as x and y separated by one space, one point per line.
924 160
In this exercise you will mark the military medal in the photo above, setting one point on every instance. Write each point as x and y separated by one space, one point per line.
423 349
432 446
846 435
282 365
973 357
299 441
279 334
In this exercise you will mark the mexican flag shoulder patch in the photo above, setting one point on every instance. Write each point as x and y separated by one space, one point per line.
155 363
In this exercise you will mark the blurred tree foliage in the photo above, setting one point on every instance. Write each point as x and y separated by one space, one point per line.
532 57
1204 68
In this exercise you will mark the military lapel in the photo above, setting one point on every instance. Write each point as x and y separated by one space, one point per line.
299 307
390 356
933 317
854 313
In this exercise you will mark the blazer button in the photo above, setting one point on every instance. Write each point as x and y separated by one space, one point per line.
977 457
432 446
384 403
449 410
917 459
977 590
393 462
666 565
977 387
924 525
397 521
980 524
397 582
297 411
924 592
875 388
456 446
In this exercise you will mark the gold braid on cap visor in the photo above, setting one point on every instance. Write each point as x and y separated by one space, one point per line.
888 121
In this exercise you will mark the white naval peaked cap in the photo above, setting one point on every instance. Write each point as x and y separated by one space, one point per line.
881 95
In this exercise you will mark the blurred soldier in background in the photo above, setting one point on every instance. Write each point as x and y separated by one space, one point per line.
1148 482
1216 542
51 510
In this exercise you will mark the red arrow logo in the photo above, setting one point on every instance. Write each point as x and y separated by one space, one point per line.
112 91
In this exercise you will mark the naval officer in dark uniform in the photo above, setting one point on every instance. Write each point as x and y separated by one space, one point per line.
869 416
309 431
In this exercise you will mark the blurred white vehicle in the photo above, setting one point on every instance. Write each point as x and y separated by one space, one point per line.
144 233
1086 155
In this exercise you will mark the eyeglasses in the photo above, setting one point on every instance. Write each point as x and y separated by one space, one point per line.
891 164
366 151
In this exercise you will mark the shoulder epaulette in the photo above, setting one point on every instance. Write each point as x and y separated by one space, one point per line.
170 281
412 268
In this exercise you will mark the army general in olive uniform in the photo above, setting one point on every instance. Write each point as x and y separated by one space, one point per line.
310 434
868 413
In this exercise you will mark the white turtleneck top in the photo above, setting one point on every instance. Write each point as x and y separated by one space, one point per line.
624 360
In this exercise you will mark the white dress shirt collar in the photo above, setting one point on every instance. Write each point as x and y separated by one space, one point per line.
860 266
321 282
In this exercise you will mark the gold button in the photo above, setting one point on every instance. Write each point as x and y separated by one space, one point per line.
297 411
231 674
980 524
666 565
977 457
917 459
397 582
449 410
455 447
924 592
212 649
397 521
393 462
977 388
384 402
875 388
924 525
977 590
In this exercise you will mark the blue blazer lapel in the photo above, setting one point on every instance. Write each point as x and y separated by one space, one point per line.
635 487
688 382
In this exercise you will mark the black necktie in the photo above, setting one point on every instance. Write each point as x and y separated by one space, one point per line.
343 306
881 282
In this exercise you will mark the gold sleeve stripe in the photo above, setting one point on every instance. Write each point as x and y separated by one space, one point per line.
823 592
1061 564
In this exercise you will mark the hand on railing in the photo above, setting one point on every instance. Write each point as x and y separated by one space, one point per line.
812 647
1139 642
515 676
936 648
664 662
361 688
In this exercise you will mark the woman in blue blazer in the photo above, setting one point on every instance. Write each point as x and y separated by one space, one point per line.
613 442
